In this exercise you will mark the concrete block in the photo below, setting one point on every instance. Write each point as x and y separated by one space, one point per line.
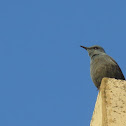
110 107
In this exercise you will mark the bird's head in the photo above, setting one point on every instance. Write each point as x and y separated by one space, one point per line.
94 50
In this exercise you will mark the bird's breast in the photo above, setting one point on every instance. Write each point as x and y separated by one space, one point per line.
98 69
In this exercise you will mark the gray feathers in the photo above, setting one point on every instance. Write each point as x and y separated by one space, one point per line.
102 65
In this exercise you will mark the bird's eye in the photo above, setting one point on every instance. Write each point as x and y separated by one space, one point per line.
95 48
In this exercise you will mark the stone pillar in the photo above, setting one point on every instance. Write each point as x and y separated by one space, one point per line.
110 107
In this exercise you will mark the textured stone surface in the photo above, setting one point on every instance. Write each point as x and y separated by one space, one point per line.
110 107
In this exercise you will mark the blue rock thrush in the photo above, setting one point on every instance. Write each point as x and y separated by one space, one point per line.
102 65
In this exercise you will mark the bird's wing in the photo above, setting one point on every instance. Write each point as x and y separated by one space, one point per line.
117 67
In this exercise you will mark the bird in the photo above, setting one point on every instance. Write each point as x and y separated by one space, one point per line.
102 65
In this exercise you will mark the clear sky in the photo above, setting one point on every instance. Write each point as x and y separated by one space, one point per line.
44 74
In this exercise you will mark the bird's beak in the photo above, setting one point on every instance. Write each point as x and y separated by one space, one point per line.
84 47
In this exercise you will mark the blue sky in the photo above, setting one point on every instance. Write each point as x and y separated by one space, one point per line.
44 74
